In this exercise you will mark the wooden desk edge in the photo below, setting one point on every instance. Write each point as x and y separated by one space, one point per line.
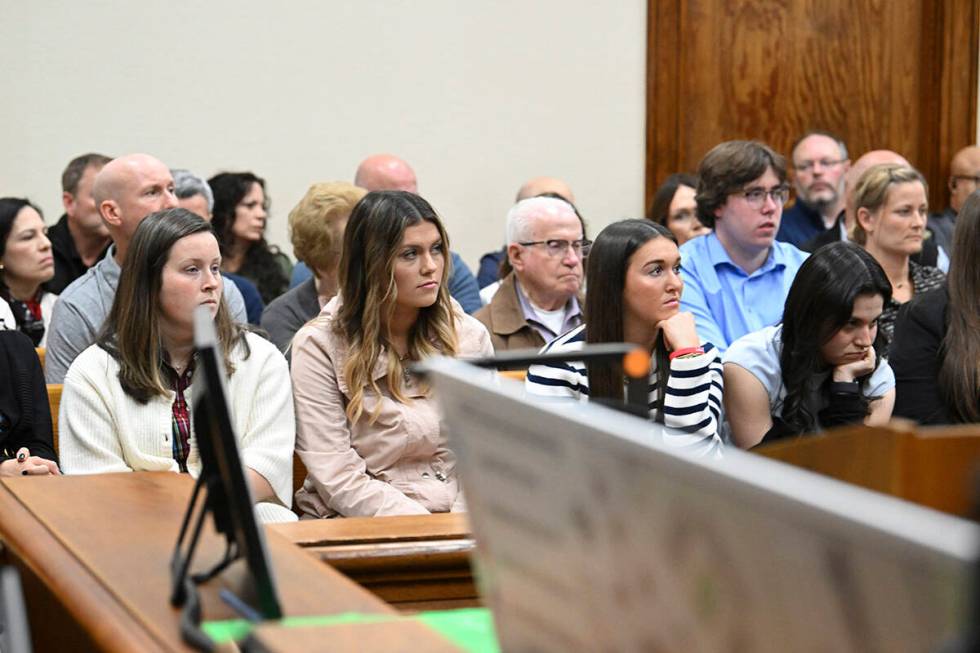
95 607
375 530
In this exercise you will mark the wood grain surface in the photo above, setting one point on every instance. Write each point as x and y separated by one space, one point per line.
101 545
895 74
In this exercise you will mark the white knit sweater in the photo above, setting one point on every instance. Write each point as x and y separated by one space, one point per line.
102 429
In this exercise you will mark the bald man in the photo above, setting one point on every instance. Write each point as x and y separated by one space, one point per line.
489 271
964 179
126 190
388 172
385 172
544 185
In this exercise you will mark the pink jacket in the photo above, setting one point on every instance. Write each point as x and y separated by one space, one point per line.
398 465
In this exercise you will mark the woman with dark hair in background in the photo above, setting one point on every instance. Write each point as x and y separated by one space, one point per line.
368 431
239 217
936 351
633 276
126 400
26 442
674 207
26 262
822 366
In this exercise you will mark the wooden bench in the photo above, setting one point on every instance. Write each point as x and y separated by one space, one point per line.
414 562
934 467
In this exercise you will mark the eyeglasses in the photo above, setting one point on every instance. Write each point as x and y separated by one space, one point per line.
974 179
556 248
807 166
756 197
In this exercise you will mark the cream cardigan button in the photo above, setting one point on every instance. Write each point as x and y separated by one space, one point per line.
425 474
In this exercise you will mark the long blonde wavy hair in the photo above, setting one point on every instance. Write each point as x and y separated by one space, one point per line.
369 293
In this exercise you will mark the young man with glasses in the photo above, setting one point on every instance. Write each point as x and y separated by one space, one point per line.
964 180
538 300
819 163
736 279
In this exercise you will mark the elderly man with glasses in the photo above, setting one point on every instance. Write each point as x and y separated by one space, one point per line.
538 300
736 279
819 165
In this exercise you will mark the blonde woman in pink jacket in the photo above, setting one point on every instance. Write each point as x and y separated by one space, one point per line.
368 431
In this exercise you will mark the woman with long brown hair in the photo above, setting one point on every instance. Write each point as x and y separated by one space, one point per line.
368 431
126 399
936 352
633 275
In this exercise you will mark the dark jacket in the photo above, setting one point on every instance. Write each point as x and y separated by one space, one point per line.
284 316
916 357
68 264
25 417
800 224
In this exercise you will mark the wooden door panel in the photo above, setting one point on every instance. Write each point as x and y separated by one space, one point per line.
882 74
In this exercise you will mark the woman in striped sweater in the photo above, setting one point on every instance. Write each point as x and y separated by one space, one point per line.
634 290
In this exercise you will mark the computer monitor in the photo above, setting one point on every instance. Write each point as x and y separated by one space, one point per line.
593 536
228 496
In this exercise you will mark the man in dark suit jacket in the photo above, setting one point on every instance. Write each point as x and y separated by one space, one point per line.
819 165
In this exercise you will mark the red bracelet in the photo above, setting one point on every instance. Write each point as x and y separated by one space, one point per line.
686 351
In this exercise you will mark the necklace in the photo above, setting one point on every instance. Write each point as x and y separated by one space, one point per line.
406 373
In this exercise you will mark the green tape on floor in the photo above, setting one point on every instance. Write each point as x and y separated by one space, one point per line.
471 629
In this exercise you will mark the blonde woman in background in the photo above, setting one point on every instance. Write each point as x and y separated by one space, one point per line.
316 227
891 208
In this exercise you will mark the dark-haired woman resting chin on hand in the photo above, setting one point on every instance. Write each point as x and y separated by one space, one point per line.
822 366
635 287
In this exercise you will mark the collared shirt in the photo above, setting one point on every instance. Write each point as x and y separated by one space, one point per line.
726 302
800 224
68 264
83 307
573 315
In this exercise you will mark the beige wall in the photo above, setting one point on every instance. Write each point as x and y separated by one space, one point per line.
476 95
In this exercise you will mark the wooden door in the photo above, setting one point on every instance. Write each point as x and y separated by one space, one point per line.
895 74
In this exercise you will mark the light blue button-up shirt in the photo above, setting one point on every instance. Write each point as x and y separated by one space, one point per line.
726 302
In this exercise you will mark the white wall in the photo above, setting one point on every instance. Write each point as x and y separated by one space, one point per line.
476 95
